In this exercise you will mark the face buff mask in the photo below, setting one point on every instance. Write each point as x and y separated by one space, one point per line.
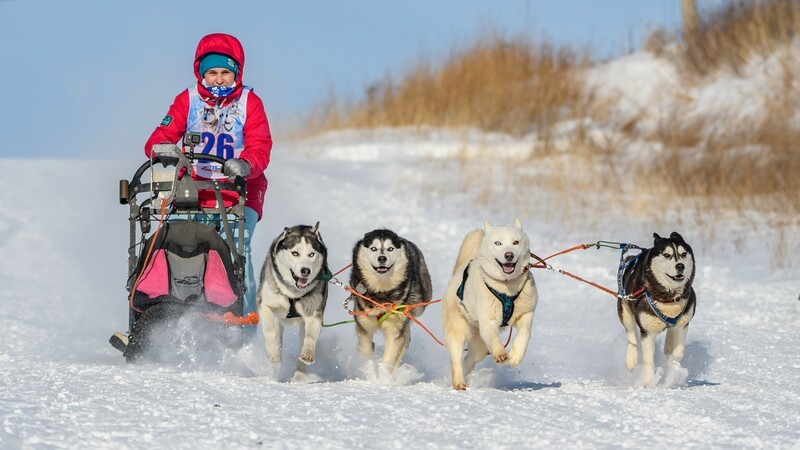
220 91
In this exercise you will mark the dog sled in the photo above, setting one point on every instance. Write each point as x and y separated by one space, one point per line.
186 271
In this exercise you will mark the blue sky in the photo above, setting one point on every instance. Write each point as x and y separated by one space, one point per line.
89 78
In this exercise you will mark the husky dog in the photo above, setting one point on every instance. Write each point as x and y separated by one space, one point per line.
491 288
290 293
660 279
387 269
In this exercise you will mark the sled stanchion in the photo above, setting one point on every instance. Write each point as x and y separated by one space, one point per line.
147 256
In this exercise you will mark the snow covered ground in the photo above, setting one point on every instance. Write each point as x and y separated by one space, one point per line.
63 242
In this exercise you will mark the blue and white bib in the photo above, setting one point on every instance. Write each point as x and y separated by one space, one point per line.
222 129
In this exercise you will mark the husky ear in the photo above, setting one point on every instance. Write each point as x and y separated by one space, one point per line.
487 225
674 235
285 232
518 224
317 233
656 238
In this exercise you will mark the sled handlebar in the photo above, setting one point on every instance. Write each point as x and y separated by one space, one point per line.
126 186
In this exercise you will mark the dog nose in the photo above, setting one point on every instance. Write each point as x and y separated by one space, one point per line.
381 259
305 272
509 256
679 267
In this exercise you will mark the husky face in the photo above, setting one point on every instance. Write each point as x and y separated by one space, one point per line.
382 250
504 251
300 255
672 263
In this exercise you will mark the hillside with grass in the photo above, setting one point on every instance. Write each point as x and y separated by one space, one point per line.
697 127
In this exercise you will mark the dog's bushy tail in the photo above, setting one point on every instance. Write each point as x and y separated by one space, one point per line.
469 249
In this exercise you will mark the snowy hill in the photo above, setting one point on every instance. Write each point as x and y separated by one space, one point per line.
62 279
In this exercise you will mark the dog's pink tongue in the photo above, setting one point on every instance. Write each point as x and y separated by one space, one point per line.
302 282
508 267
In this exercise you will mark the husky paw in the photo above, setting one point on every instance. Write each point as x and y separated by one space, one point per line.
299 377
514 359
460 386
500 357
631 359
275 359
307 357
646 376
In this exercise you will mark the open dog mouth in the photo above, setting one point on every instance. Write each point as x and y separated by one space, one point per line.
381 269
507 267
678 277
300 283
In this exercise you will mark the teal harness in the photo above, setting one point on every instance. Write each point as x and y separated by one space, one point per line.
507 301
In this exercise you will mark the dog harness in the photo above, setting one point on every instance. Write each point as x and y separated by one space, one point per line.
668 321
292 309
324 275
507 301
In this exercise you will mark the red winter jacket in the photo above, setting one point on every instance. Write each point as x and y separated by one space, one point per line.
257 137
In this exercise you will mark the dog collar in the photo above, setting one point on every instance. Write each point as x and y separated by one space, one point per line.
673 300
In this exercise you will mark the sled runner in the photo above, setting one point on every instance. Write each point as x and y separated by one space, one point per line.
186 277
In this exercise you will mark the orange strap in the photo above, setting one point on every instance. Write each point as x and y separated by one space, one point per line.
230 319
540 264
343 269
391 307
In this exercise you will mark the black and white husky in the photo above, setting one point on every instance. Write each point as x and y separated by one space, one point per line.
290 292
491 288
657 285
387 269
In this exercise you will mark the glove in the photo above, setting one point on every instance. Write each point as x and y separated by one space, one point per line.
168 160
236 167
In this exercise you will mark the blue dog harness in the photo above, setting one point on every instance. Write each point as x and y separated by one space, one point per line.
669 321
507 301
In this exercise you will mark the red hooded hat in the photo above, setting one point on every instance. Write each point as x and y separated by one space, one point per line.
219 43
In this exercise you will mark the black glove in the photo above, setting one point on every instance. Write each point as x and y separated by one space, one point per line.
168 160
236 167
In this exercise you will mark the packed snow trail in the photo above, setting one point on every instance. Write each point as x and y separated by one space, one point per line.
63 240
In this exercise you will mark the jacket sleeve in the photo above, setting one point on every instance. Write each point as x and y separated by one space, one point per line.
257 137
173 126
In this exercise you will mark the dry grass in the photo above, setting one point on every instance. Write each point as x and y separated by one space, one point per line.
739 166
513 86
716 167
729 35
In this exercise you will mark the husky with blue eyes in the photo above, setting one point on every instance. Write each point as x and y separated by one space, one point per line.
387 269
657 295
293 291
491 288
